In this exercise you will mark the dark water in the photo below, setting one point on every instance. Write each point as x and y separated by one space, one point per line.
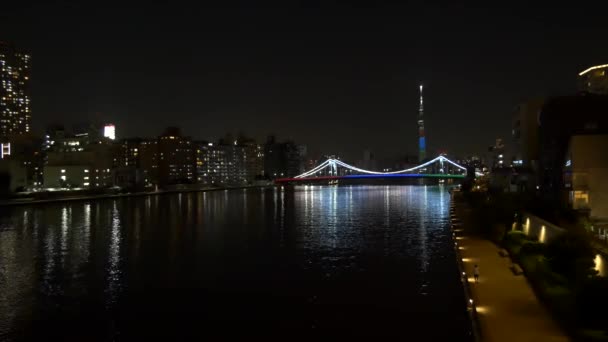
283 263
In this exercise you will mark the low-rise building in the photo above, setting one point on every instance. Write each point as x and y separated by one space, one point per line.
69 176
79 161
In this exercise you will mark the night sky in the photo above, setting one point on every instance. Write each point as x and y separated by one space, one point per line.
337 76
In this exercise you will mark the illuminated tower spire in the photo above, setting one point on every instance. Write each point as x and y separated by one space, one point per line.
421 138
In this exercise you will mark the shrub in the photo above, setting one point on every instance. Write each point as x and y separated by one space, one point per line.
532 248
560 299
515 237
498 232
530 263
571 255
592 296
594 335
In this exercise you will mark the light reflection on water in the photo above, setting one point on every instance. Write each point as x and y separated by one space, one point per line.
377 257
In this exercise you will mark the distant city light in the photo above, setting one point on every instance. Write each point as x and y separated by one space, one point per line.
599 265
109 131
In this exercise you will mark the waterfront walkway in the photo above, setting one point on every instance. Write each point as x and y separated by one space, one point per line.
507 308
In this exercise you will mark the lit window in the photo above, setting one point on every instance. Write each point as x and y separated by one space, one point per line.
62 170
63 177
582 196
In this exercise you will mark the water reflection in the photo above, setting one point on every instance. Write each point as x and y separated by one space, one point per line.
287 255
114 271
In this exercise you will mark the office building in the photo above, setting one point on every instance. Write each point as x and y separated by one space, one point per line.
15 105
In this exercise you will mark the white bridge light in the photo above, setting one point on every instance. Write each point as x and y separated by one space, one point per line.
333 163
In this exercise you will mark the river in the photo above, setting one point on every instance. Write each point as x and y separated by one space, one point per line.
284 263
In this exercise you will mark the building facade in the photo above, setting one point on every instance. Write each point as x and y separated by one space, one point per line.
15 105
231 164
524 133
497 154
586 175
281 159
78 161
560 119
176 163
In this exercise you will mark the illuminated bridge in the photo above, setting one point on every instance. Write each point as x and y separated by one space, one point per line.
334 170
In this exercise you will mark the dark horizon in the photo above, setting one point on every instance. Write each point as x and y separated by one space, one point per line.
339 78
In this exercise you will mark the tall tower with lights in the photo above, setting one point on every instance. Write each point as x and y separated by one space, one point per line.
421 137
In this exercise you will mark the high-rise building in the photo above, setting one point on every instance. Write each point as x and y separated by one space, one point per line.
561 118
15 106
281 159
594 80
239 162
175 158
421 135
210 163
148 161
524 133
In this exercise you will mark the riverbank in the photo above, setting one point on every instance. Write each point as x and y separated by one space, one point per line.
506 305
28 201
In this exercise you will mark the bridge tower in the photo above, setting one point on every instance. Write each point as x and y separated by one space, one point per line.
421 137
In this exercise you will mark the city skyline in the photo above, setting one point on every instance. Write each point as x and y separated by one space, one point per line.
284 169
340 78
